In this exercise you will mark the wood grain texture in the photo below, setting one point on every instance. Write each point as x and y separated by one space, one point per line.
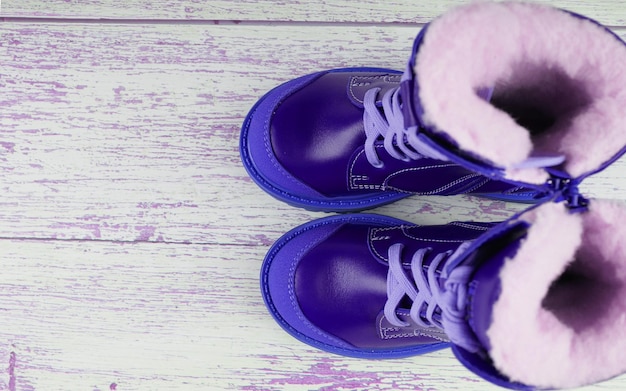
130 235
609 12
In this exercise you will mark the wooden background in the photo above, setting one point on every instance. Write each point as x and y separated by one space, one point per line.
130 235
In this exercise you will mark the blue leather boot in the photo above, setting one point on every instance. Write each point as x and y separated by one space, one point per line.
497 100
538 301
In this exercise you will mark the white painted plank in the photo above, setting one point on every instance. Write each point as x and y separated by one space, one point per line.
130 132
147 316
608 12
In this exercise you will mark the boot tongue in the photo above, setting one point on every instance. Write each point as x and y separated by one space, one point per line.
483 290
484 284
535 160
485 93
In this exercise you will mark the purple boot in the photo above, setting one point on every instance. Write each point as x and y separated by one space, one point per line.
505 100
538 301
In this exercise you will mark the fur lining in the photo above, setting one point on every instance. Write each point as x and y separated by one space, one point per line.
561 76
560 320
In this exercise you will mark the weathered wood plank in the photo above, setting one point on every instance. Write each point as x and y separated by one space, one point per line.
123 132
130 132
148 316
609 12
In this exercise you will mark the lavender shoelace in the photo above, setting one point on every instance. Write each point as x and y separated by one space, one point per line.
400 142
425 291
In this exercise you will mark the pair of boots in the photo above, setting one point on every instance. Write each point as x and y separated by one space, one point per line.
513 101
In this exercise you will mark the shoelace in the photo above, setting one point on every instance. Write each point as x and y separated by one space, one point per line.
425 290
399 142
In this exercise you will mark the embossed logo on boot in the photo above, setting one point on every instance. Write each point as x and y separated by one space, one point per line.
359 85
421 334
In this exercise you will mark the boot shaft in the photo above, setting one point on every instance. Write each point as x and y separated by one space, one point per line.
551 314
517 94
